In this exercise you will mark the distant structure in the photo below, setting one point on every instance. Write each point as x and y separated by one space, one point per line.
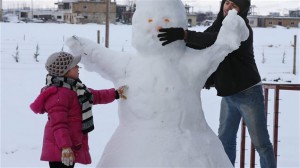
1 11
89 11
40 16
120 10
281 21
274 14
206 19
294 13
125 12
94 11
192 17
274 19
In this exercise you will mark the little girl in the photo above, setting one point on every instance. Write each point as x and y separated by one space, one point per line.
68 103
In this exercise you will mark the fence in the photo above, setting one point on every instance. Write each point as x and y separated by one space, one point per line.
277 88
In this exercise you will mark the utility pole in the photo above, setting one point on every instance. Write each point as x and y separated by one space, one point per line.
1 10
107 24
295 49
31 9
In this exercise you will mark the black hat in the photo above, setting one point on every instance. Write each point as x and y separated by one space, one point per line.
243 4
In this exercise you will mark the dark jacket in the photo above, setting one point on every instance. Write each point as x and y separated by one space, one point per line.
238 71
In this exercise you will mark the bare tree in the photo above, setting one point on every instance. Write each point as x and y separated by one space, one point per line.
283 57
263 57
36 54
16 56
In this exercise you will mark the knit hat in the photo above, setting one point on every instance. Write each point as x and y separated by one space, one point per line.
243 4
59 63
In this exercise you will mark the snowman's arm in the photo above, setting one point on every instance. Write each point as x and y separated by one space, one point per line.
228 40
108 63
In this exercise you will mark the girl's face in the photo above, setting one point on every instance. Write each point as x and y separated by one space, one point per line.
228 5
73 73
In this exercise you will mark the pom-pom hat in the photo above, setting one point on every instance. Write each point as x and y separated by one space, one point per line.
59 63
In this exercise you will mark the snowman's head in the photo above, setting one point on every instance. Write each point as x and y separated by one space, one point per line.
149 17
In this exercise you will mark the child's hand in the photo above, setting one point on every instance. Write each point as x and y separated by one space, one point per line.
121 90
67 156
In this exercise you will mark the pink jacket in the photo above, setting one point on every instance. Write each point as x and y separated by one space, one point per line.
63 128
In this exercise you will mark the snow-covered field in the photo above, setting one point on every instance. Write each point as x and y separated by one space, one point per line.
22 130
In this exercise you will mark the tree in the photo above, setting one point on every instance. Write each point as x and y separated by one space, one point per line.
16 56
36 54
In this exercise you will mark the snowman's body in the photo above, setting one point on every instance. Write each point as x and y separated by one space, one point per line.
162 122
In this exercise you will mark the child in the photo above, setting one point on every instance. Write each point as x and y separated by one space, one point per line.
68 103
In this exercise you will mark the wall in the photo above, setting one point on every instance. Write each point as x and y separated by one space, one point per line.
283 21
91 12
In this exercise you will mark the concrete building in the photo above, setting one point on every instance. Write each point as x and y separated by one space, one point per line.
270 21
78 12
253 20
28 15
191 16
281 21
294 13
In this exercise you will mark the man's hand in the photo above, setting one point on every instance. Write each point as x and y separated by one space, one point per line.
170 35
67 156
121 90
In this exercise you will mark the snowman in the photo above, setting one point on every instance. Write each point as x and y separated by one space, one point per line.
162 123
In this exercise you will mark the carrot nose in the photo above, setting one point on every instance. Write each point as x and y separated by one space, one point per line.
158 28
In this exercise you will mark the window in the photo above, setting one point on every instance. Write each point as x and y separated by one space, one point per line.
66 6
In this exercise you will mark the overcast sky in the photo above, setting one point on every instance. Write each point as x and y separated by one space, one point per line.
263 7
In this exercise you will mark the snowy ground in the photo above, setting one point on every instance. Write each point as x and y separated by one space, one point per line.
22 130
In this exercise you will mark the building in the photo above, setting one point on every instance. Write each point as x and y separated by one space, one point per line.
93 11
270 21
191 16
120 9
294 13
274 19
253 20
281 21
125 13
27 15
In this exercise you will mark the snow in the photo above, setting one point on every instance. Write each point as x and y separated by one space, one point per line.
22 130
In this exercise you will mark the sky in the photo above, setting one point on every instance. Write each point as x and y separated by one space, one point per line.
263 7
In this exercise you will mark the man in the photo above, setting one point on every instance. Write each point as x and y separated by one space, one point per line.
237 80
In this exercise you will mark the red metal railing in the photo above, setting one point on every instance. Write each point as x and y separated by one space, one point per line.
277 88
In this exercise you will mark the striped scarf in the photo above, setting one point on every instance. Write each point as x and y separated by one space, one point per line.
85 98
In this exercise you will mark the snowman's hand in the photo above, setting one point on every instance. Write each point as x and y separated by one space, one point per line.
235 22
122 90
75 46
233 31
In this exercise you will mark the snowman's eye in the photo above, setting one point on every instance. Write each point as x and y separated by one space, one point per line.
167 20
150 20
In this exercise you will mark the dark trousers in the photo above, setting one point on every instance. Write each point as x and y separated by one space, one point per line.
59 165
